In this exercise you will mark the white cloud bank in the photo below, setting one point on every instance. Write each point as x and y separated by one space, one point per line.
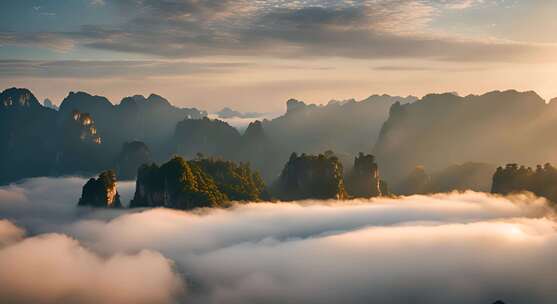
54 268
448 248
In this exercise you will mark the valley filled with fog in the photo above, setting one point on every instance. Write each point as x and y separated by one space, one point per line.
387 199
465 247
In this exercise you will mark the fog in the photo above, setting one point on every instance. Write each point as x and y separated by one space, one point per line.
446 248
242 123
54 268
43 204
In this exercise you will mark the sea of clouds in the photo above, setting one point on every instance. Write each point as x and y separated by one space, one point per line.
461 248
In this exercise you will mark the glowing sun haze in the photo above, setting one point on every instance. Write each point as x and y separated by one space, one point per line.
253 55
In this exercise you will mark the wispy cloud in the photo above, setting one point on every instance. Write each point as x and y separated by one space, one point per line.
351 29
55 41
95 69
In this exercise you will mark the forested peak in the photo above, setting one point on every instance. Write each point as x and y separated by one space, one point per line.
364 179
541 181
326 156
202 182
312 177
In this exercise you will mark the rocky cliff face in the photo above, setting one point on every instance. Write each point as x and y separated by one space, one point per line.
311 177
101 192
364 180
193 184
133 155
513 178
82 148
83 126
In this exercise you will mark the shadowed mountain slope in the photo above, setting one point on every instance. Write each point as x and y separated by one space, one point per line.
444 129
151 120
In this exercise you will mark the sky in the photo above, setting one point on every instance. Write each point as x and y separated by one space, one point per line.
254 55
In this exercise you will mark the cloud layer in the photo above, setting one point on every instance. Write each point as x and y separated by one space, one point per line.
446 248
96 69
367 29
53 268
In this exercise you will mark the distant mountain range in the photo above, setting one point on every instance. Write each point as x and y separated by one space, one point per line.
88 134
345 127
83 136
151 120
443 129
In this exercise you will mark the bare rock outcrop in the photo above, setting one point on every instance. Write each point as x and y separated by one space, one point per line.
101 192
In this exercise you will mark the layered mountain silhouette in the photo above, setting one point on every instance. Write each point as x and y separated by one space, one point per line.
346 127
151 120
131 157
84 136
455 142
196 138
443 129
206 136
